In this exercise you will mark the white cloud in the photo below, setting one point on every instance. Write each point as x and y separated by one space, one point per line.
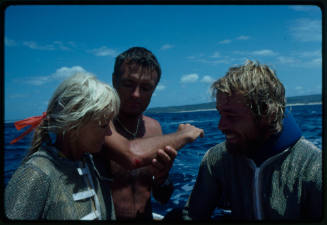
195 57
10 43
316 53
216 55
15 96
316 62
60 74
213 59
61 45
103 51
286 59
71 43
225 60
189 78
36 46
304 8
55 45
37 81
264 52
239 52
306 30
220 61
65 72
160 87
207 79
166 46
227 41
243 37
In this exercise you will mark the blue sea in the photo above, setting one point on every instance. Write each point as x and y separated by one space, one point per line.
186 165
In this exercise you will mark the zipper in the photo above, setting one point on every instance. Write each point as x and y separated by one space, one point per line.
257 201
256 193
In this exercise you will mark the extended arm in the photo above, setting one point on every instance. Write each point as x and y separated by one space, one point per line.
139 152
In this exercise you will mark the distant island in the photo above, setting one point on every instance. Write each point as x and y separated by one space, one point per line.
296 100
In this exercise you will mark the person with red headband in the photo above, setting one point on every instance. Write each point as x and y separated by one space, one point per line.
58 179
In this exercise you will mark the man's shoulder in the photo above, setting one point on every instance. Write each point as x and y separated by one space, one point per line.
307 159
152 125
216 152
306 151
217 160
150 120
306 147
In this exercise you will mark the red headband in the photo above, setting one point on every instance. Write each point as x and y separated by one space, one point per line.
33 121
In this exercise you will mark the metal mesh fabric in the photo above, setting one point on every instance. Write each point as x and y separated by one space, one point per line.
43 187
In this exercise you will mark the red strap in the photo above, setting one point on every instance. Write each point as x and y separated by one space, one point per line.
33 121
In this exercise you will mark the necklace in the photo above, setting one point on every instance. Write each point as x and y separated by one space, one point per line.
128 131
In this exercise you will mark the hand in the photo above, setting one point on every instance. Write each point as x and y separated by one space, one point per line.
162 163
191 132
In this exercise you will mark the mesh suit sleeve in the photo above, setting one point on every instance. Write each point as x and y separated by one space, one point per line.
313 207
204 196
26 194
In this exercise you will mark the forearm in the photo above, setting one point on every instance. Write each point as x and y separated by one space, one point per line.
139 152
145 149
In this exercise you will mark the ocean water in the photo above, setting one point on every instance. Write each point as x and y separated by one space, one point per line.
186 165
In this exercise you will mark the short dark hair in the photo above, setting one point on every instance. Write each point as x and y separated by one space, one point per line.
135 56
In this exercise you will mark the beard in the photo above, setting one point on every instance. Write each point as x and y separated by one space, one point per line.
245 147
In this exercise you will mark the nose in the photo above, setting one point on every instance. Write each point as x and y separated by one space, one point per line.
136 92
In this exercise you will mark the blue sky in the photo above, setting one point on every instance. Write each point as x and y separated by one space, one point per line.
195 45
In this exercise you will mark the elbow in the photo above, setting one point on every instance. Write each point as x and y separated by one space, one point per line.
136 159
135 162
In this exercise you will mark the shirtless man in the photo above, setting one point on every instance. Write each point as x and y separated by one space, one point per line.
137 140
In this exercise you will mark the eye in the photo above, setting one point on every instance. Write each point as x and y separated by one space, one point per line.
128 84
146 88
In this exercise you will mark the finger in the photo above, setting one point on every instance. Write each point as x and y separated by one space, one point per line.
158 166
163 157
171 152
201 133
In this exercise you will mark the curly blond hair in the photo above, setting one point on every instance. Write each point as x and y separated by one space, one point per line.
262 90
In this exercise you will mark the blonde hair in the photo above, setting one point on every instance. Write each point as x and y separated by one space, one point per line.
77 100
258 83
